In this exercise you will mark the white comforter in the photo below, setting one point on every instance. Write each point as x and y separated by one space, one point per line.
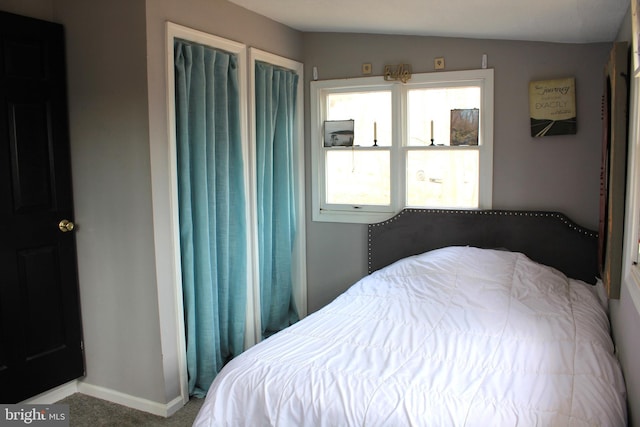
455 337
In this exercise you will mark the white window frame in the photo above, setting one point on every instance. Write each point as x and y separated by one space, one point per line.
321 211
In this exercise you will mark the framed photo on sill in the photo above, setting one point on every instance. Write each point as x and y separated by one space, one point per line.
338 133
464 126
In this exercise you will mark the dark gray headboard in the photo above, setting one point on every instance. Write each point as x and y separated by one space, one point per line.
546 237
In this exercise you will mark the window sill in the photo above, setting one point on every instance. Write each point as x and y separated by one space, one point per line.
351 217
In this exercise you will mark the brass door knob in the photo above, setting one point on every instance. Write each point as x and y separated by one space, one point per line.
65 225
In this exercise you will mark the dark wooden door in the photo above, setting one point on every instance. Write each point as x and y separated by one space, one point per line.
40 332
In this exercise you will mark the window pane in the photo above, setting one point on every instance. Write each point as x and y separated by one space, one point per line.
426 105
442 178
358 177
365 108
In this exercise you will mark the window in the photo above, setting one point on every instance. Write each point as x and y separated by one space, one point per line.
427 143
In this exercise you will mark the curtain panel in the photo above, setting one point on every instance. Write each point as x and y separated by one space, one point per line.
276 202
211 209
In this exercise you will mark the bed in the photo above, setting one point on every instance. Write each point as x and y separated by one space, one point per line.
467 318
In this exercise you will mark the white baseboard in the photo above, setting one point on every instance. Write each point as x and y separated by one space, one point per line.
155 408
175 405
78 386
53 395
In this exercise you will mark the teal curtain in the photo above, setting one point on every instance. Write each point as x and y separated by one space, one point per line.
211 209
276 201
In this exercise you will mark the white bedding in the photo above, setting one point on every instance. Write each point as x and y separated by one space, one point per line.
458 336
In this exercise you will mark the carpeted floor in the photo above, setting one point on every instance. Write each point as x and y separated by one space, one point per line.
86 411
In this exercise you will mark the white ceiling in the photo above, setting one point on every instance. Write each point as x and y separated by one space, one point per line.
565 21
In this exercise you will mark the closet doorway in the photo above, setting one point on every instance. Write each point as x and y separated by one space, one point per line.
237 168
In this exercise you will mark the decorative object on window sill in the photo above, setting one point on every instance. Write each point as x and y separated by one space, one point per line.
338 133
552 107
401 72
375 134
432 132
464 126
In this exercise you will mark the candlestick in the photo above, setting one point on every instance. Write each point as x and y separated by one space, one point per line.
375 134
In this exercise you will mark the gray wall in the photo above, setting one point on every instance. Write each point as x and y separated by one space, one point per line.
40 9
106 73
553 173
110 153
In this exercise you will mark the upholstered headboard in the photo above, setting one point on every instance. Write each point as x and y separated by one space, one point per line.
546 237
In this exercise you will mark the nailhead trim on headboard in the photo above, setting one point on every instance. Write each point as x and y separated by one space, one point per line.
561 217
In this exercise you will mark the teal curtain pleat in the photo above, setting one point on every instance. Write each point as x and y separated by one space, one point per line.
211 209
276 207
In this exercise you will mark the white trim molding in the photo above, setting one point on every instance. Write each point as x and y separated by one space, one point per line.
299 275
53 395
175 31
78 386
145 405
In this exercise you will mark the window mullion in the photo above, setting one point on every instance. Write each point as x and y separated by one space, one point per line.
398 177
485 196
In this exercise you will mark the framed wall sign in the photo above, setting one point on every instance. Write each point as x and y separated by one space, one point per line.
552 107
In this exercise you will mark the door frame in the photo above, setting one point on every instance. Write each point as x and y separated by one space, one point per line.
299 261
175 31
174 328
